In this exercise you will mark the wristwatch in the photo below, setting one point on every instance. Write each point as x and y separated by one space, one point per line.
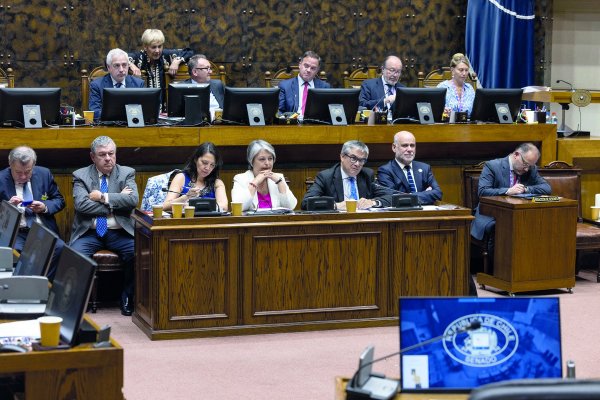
377 203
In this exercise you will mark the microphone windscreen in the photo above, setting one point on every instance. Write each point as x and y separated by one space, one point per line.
164 189
475 325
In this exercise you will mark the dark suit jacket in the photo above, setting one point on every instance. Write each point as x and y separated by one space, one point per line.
392 176
372 93
329 183
97 90
121 205
495 181
288 93
42 184
216 88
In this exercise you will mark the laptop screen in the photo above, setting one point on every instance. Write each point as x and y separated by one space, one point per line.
519 338
37 251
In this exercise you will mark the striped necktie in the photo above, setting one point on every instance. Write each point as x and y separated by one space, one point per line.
411 181
118 85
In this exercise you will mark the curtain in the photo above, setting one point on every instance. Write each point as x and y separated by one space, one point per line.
499 42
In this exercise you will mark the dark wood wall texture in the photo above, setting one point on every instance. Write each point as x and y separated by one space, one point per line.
49 42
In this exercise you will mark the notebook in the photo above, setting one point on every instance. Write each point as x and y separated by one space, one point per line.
519 338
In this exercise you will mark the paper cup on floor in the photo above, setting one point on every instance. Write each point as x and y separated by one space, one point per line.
50 330
177 210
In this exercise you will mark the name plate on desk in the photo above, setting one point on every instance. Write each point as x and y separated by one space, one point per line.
545 199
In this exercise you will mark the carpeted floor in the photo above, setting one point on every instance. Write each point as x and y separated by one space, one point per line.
303 365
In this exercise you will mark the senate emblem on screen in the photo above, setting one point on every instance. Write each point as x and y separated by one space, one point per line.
492 344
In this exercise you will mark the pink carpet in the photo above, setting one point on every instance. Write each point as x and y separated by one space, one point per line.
303 365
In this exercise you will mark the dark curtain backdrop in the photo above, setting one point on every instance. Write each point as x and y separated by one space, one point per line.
500 42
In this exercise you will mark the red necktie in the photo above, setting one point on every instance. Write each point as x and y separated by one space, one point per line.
304 94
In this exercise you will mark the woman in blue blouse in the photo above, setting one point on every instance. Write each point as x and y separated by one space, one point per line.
459 93
200 178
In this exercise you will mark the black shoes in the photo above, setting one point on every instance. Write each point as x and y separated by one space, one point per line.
126 306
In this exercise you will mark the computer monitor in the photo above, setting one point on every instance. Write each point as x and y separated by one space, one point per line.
10 217
176 103
37 251
12 101
114 101
236 99
70 292
484 105
405 110
517 338
318 101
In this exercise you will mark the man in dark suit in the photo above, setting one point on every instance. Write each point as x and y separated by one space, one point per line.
511 175
349 180
117 64
293 92
397 173
33 189
105 195
199 70
381 92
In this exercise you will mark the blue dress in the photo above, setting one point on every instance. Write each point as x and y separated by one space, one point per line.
207 193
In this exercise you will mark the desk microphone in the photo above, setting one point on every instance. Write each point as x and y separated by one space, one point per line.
351 388
568 83
172 191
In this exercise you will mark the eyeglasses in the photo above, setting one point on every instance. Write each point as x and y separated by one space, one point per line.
204 68
393 71
526 165
355 160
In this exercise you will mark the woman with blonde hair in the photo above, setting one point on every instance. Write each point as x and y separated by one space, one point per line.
459 93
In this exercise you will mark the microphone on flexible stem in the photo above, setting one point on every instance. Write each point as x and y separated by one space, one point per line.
171 191
568 83
354 392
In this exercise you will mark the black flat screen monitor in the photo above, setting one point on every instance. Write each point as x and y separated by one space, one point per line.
37 251
484 105
12 101
318 101
404 109
177 93
70 292
114 101
236 99
10 217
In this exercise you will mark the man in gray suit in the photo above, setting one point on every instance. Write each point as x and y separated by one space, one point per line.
105 194
199 70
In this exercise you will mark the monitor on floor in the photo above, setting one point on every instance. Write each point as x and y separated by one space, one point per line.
518 338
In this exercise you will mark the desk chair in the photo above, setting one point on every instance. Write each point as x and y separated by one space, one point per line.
273 79
355 78
107 262
7 77
439 75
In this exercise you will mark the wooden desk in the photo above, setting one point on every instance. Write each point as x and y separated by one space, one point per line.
534 244
82 372
557 96
243 275
340 393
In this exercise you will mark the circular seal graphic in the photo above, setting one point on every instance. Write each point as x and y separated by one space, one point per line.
503 110
492 344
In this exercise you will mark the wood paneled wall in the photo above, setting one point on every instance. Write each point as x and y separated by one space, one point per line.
48 43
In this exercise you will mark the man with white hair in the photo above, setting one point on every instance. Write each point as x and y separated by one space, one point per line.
117 63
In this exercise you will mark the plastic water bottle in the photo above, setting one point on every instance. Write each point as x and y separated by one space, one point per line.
554 119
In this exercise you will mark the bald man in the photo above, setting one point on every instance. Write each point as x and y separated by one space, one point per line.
398 173
381 92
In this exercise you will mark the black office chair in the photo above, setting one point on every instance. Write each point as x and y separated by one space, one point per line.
538 389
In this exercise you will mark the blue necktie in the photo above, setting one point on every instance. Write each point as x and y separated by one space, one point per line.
411 181
28 198
389 90
353 191
118 85
101 224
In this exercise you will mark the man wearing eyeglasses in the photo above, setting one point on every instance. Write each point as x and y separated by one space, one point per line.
293 92
200 70
349 180
512 175
381 92
117 63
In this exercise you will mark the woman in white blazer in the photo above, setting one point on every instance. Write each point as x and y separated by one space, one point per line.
260 187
